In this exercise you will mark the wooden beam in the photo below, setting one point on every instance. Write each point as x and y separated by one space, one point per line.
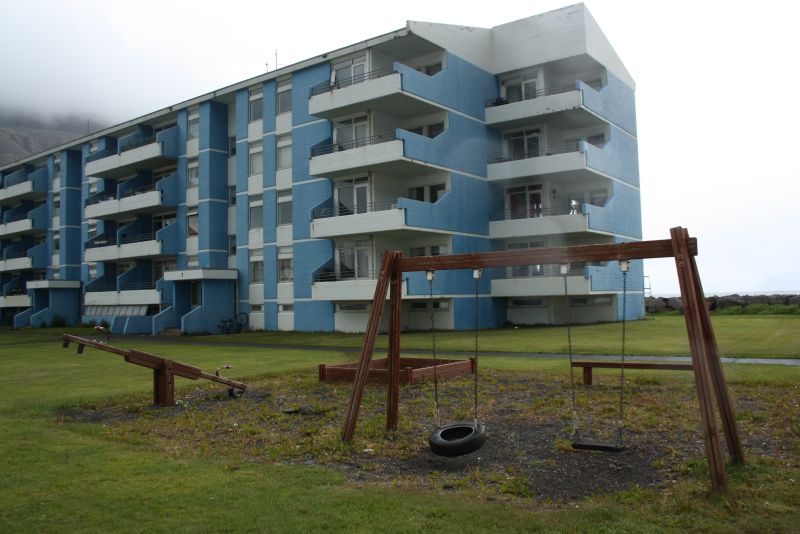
388 265
691 305
393 389
545 256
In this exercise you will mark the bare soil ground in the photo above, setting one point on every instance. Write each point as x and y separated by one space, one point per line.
291 418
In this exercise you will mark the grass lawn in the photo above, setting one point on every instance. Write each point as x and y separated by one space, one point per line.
143 469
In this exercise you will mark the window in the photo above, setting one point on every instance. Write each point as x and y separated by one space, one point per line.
192 223
418 306
522 144
354 259
434 250
232 146
256 308
524 201
438 250
284 207
256 212
284 159
196 289
92 271
352 306
257 270
428 130
232 195
56 168
349 71
193 173
285 273
436 192
283 99
416 252
440 305
432 69
160 267
256 150
91 229
56 202
92 186
521 87
256 111
285 308
232 245
521 271
93 145
417 193
192 262
56 243
526 302
350 133
351 196
193 131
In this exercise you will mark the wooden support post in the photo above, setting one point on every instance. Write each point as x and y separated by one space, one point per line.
393 391
691 304
723 397
164 385
381 286
587 376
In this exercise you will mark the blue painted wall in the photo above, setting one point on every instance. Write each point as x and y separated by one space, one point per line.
615 102
313 316
622 213
619 157
305 198
309 257
302 81
302 140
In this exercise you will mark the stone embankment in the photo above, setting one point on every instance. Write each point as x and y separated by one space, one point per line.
660 304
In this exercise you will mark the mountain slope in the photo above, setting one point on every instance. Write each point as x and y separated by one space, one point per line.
18 142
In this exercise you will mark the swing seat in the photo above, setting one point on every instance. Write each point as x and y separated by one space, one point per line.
457 439
589 446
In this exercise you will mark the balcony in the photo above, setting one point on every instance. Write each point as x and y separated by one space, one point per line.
357 155
566 158
543 222
569 107
23 186
540 281
144 199
144 153
121 294
383 90
21 221
17 258
342 286
342 221
153 244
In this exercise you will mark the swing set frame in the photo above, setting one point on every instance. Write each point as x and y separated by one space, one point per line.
710 385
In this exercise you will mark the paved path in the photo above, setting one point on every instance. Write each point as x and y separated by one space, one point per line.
198 340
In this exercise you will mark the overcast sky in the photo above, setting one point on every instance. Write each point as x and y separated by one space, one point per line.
716 86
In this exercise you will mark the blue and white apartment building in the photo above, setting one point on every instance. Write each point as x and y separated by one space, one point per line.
277 196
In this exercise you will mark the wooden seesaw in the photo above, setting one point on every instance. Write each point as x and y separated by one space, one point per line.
164 370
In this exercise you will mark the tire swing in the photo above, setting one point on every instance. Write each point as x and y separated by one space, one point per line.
463 437
577 441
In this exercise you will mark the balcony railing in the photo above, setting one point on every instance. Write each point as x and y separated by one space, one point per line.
102 197
341 210
133 191
14 254
100 154
540 152
102 241
17 217
136 143
327 87
534 213
328 275
537 271
355 143
101 288
137 286
529 95
137 238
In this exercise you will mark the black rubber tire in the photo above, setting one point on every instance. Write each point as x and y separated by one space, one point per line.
235 393
457 439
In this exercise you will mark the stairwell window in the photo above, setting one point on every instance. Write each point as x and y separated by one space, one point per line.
193 130
284 156
256 110
256 165
285 264
193 173
284 208
192 223
256 212
283 98
256 267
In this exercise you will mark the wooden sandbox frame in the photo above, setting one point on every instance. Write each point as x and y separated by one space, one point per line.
412 370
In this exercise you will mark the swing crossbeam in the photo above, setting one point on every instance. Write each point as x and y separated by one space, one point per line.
712 390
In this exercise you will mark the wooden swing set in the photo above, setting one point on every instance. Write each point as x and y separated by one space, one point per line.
709 378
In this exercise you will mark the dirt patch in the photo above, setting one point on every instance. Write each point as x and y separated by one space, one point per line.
294 419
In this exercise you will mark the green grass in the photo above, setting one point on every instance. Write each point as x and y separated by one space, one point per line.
737 336
58 476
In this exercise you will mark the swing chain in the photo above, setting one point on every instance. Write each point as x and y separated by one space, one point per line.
476 274
430 275
564 272
624 266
